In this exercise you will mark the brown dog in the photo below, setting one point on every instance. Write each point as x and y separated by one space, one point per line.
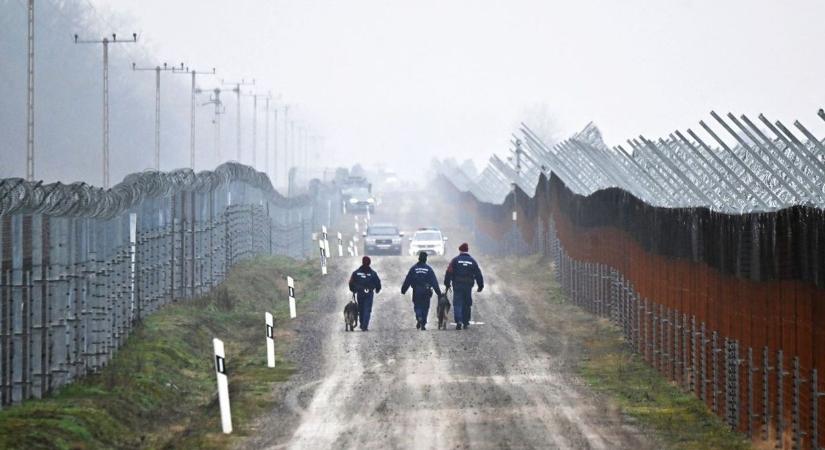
351 315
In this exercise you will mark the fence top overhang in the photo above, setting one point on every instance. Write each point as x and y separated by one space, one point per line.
18 196
751 169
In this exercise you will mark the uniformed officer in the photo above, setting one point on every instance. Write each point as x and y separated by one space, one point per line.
462 273
363 282
423 281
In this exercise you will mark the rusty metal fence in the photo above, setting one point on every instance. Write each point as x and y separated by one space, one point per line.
730 306
80 266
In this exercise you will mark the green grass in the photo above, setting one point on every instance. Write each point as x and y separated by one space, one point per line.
159 390
607 364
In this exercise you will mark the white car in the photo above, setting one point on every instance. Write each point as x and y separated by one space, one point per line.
428 240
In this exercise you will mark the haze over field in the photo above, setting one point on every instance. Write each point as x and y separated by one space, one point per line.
399 82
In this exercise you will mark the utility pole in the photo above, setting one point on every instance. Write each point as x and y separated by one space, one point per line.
192 111
237 91
255 127
105 41
275 145
254 131
157 70
286 141
30 96
219 110
292 142
306 154
299 145
266 133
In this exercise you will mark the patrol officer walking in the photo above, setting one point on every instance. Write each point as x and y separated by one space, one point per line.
462 273
422 279
363 282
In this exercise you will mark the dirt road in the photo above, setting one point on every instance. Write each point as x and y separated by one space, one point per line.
497 385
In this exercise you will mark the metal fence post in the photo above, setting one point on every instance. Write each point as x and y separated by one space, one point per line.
766 400
780 399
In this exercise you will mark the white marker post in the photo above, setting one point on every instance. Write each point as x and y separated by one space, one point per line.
223 385
322 251
290 284
340 245
270 340
356 224
326 241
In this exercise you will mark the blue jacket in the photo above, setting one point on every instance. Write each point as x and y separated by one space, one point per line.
463 271
364 281
421 277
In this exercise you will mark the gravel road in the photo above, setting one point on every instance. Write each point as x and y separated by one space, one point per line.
497 385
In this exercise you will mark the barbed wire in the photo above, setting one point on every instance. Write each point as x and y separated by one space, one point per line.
18 196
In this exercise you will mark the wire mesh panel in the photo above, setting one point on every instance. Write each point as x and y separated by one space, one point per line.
81 266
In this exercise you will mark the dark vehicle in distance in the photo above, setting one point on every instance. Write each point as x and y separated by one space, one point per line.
360 200
383 238
356 195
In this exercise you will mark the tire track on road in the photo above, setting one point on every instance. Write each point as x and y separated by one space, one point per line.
492 386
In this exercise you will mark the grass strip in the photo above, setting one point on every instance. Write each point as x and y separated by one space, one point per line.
159 390
611 368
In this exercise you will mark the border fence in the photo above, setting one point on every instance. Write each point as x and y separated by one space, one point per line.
81 266
730 306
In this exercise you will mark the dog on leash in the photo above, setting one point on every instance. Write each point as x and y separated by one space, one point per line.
351 315
443 311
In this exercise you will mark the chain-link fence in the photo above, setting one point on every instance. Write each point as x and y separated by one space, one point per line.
80 266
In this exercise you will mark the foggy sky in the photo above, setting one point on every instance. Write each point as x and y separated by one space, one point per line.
400 82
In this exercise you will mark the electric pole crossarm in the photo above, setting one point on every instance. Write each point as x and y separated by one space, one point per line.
105 40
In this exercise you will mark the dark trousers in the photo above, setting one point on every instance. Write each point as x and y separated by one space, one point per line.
421 306
364 309
462 304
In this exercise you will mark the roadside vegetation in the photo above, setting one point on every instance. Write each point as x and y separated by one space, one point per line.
597 352
159 391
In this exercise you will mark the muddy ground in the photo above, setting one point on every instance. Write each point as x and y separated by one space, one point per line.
506 382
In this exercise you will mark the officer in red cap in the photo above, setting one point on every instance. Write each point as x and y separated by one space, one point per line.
363 283
463 272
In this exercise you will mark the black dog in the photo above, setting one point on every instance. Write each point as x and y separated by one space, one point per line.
443 310
351 315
